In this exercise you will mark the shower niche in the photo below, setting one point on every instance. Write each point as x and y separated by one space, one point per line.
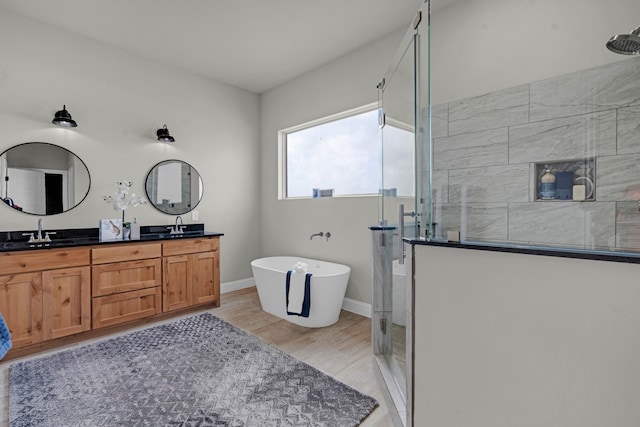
567 180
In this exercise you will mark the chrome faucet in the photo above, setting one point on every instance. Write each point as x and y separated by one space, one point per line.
38 238
178 228
320 234
39 235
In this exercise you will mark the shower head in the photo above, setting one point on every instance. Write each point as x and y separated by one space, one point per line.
625 44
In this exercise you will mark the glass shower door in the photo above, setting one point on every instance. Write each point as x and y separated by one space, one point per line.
405 208
398 141
398 203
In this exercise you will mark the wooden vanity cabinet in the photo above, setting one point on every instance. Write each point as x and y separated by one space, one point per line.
190 273
52 293
126 283
45 294
21 307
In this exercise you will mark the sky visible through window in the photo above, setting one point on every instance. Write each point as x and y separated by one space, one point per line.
345 155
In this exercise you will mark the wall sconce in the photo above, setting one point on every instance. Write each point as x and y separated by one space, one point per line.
163 135
63 118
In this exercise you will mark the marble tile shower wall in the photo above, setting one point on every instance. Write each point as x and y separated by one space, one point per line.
484 148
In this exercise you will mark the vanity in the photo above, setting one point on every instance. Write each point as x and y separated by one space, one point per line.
63 286
77 287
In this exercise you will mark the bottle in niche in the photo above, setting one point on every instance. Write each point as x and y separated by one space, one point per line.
548 185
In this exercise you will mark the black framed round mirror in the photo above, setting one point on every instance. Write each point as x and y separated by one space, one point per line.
40 178
174 187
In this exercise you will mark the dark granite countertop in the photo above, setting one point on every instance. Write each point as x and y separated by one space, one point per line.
590 254
73 237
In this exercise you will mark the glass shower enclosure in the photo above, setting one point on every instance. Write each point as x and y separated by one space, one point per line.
404 211
520 142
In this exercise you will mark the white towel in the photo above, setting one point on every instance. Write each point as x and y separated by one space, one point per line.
300 267
296 292
296 287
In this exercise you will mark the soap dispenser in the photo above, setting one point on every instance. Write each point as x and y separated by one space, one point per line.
135 230
548 185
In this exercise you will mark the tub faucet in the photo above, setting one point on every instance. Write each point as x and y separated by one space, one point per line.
320 234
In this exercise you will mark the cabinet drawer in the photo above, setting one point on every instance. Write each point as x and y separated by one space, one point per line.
117 277
125 252
126 306
190 246
38 260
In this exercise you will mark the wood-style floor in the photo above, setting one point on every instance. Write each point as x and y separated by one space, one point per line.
342 350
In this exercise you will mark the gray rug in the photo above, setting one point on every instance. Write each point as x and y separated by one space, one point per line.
197 371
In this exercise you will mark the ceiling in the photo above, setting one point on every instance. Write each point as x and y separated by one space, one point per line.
252 44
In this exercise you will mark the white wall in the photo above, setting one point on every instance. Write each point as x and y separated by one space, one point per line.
119 101
479 46
286 225
507 339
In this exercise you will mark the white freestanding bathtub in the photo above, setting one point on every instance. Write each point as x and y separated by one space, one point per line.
328 286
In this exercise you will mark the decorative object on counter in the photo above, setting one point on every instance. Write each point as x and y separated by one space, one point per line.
199 370
63 118
122 198
134 233
548 185
126 230
111 229
163 135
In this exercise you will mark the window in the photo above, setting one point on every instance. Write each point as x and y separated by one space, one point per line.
342 153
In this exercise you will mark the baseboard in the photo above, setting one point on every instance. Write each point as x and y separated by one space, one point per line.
357 307
236 285
348 304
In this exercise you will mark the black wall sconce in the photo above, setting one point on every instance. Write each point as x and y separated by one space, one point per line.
163 135
63 118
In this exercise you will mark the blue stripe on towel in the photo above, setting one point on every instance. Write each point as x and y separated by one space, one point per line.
5 338
306 302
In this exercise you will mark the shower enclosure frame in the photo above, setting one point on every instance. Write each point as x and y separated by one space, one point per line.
387 240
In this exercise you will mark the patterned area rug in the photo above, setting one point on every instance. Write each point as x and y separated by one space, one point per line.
197 371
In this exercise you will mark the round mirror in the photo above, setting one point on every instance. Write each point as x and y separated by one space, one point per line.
174 187
39 178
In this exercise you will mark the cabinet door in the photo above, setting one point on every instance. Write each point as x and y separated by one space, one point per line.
176 283
21 307
205 288
66 301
